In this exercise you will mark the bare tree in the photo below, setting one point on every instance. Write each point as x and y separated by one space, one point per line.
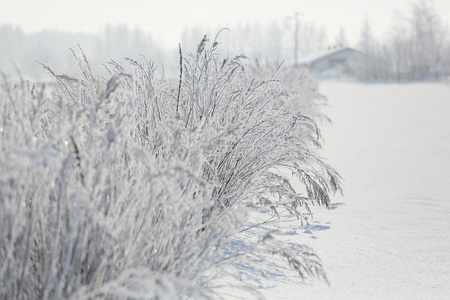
341 38
417 48
367 46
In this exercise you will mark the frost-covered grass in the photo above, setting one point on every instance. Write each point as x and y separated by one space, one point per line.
133 186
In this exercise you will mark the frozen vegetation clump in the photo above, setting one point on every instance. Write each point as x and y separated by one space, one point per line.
133 186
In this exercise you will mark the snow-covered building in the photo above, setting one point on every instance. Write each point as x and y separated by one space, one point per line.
329 60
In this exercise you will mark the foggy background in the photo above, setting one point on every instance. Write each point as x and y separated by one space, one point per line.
393 36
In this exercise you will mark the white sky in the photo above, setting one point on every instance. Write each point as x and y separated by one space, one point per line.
166 19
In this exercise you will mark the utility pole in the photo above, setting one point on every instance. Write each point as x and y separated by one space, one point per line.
296 39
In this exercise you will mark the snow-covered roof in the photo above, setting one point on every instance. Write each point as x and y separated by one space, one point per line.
310 59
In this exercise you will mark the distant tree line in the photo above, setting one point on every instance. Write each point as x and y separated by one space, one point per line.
21 50
418 48
273 41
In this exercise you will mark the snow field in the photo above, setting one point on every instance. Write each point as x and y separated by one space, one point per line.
388 237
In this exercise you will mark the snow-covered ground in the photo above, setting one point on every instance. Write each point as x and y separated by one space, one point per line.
389 236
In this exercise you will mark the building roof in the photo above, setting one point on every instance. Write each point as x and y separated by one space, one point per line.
310 59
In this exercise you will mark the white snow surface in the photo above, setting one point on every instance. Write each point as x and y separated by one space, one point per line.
388 237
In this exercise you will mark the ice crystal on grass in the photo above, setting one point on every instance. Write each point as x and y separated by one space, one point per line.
129 187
